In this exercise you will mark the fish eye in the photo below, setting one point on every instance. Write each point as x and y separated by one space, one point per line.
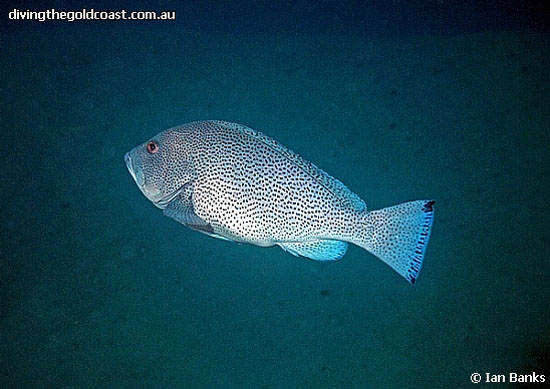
152 147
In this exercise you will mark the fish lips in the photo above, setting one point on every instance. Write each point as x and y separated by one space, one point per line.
138 178
152 194
149 191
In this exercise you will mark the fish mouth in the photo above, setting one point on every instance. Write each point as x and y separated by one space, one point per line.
130 167
139 178
150 193
138 175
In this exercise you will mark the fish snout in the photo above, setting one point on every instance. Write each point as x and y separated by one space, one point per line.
128 161
148 189
136 174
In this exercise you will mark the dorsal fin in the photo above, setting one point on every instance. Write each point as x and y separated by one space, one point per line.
336 187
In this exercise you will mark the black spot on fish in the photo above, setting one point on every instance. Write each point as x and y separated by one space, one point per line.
392 125
325 292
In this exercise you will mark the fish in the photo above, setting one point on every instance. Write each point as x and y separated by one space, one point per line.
231 182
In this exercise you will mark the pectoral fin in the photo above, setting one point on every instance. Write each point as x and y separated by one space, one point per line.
181 210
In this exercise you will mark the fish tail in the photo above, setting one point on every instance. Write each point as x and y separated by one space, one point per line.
399 235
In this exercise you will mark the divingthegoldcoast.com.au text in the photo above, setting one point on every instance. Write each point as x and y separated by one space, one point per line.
89 14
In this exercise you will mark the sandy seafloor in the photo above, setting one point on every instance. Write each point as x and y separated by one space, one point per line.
99 289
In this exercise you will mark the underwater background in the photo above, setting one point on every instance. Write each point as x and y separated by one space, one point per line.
399 100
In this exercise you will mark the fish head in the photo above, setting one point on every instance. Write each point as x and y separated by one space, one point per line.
161 167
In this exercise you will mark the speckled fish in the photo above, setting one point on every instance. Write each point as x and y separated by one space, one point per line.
232 182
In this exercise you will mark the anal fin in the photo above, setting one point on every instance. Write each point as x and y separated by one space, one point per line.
318 250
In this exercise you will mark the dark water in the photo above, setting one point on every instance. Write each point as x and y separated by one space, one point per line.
447 100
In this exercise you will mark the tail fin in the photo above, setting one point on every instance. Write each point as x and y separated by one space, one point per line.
399 235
